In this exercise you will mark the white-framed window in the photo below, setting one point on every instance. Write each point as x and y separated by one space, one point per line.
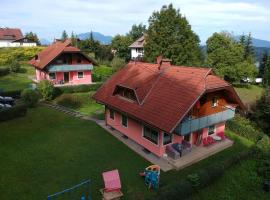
111 114
52 76
167 138
124 120
151 134
80 74
214 101
211 129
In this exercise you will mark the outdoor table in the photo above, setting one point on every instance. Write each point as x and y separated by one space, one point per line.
216 138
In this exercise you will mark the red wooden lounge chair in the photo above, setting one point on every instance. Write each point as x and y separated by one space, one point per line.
210 140
221 135
205 142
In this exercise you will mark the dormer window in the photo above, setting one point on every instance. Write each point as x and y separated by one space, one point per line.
125 92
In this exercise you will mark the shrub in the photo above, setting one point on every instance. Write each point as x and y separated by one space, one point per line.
13 112
117 63
244 127
69 100
15 66
46 89
13 93
264 144
30 97
79 88
4 71
263 166
101 73
194 179
210 174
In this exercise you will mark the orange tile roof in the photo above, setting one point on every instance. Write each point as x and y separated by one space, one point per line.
164 96
10 34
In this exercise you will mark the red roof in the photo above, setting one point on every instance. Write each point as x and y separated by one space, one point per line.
10 34
43 58
164 96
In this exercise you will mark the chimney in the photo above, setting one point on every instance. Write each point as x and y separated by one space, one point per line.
163 62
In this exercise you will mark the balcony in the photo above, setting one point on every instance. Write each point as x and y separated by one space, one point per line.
191 125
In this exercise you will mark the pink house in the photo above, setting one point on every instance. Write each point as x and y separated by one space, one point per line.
62 63
160 105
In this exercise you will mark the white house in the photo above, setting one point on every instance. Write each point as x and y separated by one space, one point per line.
13 37
136 48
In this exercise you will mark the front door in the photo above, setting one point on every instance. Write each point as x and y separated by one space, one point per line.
66 77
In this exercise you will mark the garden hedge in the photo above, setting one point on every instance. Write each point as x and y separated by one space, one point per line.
78 88
13 112
4 71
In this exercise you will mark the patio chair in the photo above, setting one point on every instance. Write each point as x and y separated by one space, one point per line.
221 135
205 142
186 147
210 140
172 152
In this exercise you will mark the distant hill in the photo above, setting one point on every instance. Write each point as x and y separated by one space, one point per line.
257 42
44 42
103 39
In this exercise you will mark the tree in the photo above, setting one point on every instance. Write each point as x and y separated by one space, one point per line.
249 49
261 113
30 97
121 44
263 63
226 57
266 74
64 35
46 89
74 39
15 66
136 31
32 36
169 34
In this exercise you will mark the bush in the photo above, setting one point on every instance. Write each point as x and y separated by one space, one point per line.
15 66
264 144
244 127
4 71
46 89
13 93
101 73
69 100
194 179
210 174
78 88
13 112
263 166
30 97
117 63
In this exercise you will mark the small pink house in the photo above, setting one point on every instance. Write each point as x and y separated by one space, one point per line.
62 63
161 105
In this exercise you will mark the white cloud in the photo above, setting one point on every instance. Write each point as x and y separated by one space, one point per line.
49 17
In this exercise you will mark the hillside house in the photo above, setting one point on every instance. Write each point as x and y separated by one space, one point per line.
13 37
61 63
158 105
136 48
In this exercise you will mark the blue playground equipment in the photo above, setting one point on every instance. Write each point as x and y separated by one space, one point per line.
80 191
151 176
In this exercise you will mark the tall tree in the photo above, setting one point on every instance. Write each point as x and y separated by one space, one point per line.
64 35
32 36
263 63
74 39
136 31
226 57
249 49
169 34
121 43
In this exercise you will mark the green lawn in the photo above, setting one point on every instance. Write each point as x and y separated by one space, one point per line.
239 182
17 81
249 95
87 106
47 151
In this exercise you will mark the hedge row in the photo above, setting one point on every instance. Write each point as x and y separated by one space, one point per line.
4 71
202 178
244 127
14 93
78 88
13 112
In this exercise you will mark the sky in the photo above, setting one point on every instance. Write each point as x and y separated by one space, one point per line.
48 18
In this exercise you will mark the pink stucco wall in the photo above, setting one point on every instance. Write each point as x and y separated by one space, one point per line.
73 77
134 131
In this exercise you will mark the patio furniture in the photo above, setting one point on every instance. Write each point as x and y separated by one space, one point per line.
171 152
221 135
6 100
210 140
217 138
186 147
205 142
112 190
